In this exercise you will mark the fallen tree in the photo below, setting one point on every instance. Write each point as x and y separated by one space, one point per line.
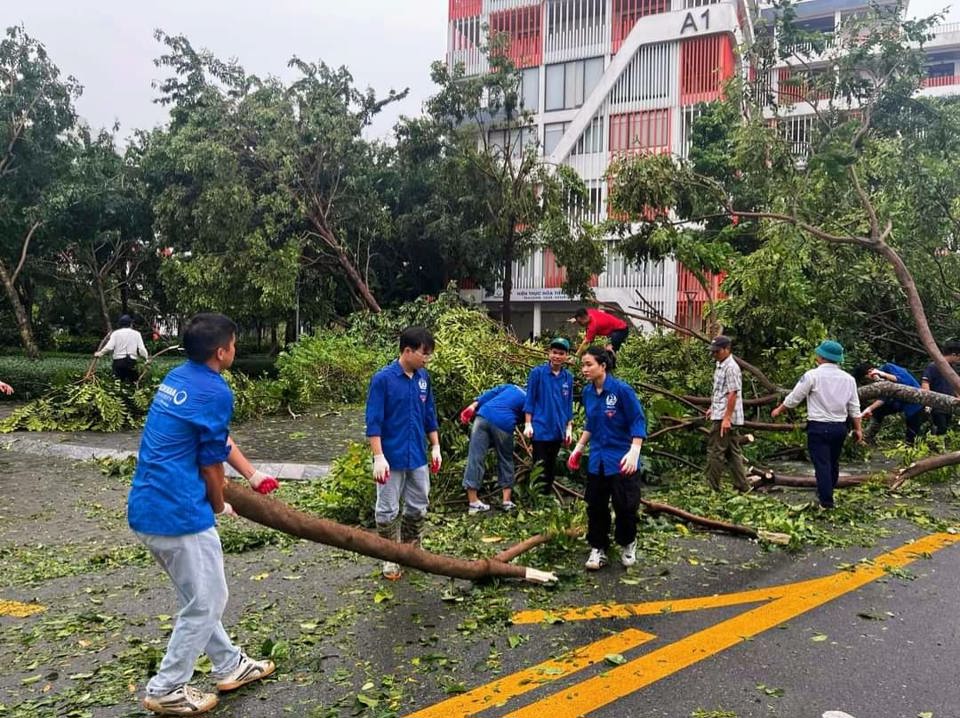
909 394
277 515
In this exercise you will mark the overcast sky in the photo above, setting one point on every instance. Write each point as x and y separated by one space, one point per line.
108 45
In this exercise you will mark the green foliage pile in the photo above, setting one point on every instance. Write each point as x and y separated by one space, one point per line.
94 405
327 366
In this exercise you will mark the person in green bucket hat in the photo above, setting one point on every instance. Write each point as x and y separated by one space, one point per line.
831 396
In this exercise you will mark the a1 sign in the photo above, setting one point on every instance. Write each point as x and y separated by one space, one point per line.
690 22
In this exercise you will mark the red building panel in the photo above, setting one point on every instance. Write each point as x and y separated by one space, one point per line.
706 63
627 12
647 131
524 26
554 275
465 8
692 299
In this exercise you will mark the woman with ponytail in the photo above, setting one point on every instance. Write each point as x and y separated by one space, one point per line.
615 429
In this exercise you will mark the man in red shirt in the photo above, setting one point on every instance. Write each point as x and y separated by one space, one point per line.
600 323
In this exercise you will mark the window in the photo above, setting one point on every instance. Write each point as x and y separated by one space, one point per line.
514 141
592 138
551 136
570 83
530 89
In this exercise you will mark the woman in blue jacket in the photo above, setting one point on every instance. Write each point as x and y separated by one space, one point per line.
615 428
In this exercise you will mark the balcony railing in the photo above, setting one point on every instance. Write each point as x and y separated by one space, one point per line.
540 271
941 81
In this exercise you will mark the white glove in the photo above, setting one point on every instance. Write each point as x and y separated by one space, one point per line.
227 510
528 430
381 469
628 464
568 437
263 483
436 461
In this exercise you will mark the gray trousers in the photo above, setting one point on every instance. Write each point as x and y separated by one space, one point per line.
194 563
410 485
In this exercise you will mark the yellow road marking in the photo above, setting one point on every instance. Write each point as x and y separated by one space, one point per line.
500 691
19 610
780 603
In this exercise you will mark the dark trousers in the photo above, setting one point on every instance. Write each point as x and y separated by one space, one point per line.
824 442
125 369
914 423
940 421
625 493
617 338
545 454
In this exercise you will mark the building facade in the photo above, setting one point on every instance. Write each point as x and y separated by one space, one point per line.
609 78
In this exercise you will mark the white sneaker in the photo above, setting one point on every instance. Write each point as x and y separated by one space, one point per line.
184 701
247 671
628 553
597 559
391 571
477 507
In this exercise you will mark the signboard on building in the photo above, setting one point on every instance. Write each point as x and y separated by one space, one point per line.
531 294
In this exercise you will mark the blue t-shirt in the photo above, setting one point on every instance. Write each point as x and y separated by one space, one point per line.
549 402
400 410
187 428
614 418
906 378
502 406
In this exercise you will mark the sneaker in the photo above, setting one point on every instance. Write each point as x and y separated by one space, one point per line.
597 559
247 671
184 701
477 507
508 506
391 571
628 553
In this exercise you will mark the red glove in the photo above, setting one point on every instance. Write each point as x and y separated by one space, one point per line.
573 463
435 459
268 486
467 414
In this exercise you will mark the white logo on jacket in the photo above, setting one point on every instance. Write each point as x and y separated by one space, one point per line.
611 399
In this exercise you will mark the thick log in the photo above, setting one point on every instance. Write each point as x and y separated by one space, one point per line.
277 515
654 507
889 390
757 401
809 482
923 466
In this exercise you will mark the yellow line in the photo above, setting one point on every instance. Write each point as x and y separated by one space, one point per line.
621 681
19 610
500 691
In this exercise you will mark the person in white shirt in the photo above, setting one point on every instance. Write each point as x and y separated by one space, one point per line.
832 398
126 345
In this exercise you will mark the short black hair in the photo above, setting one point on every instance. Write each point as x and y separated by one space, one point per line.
416 338
206 333
580 313
860 372
951 347
606 359
125 320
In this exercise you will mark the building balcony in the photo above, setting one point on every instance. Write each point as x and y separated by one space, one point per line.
941 81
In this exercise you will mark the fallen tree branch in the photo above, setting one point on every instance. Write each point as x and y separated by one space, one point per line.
922 466
757 401
277 515
534 541
654 507
909 394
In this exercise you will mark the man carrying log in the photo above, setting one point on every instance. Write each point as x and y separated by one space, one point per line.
933 380
400 415
831 396
177 490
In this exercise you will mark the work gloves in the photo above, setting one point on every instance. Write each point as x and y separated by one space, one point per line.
262 483
435 459
381 469
628 464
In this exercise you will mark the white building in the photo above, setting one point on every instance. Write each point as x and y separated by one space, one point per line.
605 78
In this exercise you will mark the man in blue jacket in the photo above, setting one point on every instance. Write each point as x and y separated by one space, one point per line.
400 416
177 491
549 409
497 412
882 408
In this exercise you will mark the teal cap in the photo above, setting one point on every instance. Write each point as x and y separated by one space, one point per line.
560 343
830 350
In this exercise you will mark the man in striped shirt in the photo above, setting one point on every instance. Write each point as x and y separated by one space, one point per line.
726 414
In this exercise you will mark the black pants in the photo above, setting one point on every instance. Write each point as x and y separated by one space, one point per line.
940 421
914 423
824 442
617 338
125 369
545 454
625 493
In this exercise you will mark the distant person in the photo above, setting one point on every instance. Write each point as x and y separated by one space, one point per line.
615 429
6 388
600 323
175 497
497 411
126 345
933 380
549 410
401 416
726 416
882 408
831 396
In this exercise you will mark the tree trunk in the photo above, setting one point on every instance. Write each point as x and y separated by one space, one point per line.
279 516
924 465
343 259
20 313
102 302
506 311
910 394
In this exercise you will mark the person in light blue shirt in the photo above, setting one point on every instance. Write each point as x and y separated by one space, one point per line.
400 416
882 408
176 492
497 411
549 410
615 429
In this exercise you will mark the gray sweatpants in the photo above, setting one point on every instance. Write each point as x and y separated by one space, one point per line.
411 485
194 563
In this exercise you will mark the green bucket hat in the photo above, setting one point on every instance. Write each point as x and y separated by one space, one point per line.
830 350
560 343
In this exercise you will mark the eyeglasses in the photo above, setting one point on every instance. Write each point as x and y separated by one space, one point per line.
427 356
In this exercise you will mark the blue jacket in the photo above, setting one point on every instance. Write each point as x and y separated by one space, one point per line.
549 402
186 429
907 379
614 418
400 410
502 406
